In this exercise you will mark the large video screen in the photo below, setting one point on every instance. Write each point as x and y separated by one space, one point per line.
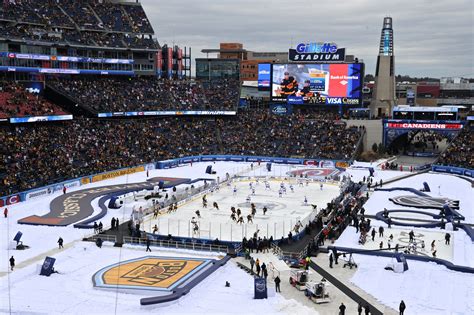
318 84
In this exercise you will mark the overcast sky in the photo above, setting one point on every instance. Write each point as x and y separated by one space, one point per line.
432 37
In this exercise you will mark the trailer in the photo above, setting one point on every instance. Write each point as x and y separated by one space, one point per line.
298 279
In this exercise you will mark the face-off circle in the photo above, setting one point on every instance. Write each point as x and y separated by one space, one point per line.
313 173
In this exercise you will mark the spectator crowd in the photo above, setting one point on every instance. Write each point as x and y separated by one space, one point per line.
37 155
461 151
16 101
149 94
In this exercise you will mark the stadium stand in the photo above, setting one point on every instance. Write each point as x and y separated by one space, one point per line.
15 101
143 94
87 146
461 151
138 18
316 134
66 22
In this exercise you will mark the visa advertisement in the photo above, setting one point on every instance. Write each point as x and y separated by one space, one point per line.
264 76
317 84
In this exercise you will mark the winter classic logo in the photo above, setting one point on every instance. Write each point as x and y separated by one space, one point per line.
153 273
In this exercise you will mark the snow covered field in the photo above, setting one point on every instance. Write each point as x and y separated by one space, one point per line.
426 288
400 236
443 185
42 239
71 291
283 212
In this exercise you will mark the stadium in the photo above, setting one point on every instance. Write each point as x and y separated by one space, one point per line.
136 178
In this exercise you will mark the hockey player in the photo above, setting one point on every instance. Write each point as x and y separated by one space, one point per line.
234 191
267 186
321 186
249 218
265 210
280 193
215 205
248 199
195 225
232 216
253 191
292 188
198 214
239 213
240 220
305 202
204 201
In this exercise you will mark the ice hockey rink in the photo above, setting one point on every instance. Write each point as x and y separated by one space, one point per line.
283 212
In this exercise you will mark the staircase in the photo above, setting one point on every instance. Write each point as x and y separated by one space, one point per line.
219 138
246 269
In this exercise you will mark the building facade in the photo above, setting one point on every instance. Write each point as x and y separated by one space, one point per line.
248 60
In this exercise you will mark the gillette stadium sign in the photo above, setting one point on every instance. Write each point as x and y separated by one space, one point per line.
317 51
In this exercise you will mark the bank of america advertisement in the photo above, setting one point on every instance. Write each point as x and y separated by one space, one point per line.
317 84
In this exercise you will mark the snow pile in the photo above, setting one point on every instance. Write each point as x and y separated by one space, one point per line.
426 288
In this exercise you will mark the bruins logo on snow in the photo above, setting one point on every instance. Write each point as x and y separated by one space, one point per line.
155 273
424 202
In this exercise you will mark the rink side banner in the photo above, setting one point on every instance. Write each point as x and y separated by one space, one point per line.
253 159
113 174
453 170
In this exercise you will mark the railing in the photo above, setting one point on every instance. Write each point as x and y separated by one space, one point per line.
359 145
177 245
277 250
274 272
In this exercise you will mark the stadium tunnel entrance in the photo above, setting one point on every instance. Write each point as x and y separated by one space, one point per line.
418 138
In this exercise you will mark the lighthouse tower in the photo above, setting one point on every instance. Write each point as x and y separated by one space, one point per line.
384 93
